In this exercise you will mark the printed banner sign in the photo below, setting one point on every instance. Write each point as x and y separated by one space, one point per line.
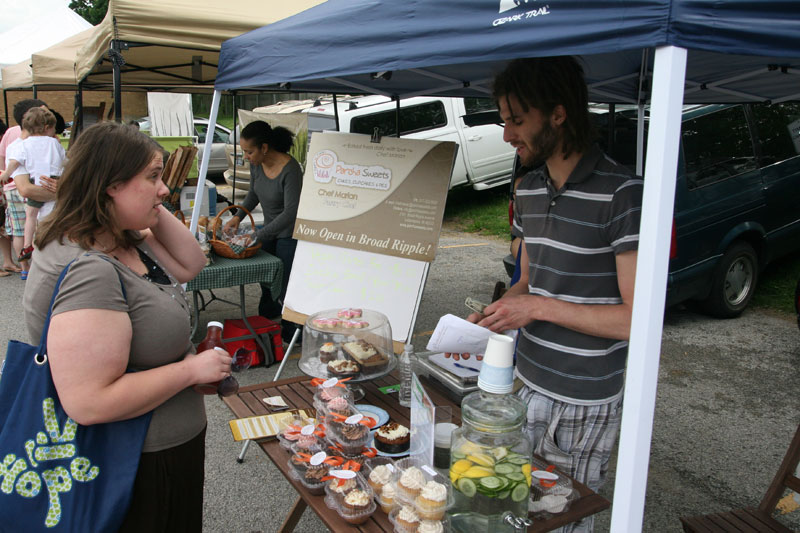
384 197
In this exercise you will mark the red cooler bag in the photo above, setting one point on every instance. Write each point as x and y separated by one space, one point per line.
269 331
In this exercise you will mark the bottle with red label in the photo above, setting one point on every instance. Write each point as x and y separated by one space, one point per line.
213 340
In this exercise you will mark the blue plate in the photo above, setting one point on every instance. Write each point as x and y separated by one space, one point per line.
376 413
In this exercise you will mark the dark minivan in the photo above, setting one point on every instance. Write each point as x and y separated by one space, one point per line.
737 198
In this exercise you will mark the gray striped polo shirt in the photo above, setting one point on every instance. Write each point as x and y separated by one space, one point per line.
572 237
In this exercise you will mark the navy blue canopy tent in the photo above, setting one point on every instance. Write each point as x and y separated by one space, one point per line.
658 52
454 48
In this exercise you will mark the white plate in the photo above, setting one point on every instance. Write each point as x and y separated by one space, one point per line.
375 413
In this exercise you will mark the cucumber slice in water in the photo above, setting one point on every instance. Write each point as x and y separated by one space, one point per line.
457 455
515 476
491 482
467 487
502 495
520 492
518 460
504 469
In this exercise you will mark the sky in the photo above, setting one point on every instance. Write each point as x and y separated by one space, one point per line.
16 12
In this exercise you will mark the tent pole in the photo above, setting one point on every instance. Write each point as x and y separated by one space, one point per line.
200 196
640 140
235 145
397 116
5 106
647 322
116 62
35 92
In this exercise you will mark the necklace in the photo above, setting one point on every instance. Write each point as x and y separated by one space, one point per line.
160 278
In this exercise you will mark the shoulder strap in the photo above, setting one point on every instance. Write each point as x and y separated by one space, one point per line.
43 340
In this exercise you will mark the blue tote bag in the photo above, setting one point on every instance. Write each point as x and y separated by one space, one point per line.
56 475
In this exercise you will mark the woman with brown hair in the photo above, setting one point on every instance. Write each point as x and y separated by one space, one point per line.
119 340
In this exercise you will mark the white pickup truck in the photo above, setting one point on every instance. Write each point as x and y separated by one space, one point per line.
484 160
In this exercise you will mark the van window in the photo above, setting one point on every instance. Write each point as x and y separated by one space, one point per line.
476 105
717 146
778 131
413 119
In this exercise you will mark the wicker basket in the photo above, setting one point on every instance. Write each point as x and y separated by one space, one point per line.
222 248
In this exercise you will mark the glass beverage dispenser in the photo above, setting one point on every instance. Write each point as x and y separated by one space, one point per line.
490 456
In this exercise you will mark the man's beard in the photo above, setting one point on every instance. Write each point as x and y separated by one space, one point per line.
544 143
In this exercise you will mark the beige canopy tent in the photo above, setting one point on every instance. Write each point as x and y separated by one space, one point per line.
169 44
55 66
19 76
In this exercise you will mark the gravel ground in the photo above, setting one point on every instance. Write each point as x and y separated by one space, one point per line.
726 407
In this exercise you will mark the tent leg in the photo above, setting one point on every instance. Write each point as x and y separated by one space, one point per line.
116 62
235 146
200 197
647 322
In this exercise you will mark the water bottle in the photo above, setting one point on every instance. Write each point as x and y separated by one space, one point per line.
406 370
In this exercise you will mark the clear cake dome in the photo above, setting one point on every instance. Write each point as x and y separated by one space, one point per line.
347 343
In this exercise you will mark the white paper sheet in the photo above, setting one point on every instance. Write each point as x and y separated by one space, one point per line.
469 368
456 335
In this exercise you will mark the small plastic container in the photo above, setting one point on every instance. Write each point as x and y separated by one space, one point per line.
551 493
379 472
328 390
310 483
292 430
336 410
421 487
405 519
301 462
351 434
360 458
387 498
339 482
360 511
309 444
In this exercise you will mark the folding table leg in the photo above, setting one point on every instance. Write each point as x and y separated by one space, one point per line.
246 445
294 516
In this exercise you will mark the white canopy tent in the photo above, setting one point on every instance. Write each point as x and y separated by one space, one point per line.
22 41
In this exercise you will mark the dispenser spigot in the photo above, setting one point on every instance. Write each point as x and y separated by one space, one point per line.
519 524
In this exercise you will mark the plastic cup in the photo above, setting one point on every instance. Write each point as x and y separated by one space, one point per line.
497 370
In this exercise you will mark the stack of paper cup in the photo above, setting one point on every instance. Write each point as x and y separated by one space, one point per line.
497 370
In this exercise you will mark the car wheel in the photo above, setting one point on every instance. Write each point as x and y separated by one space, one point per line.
734 281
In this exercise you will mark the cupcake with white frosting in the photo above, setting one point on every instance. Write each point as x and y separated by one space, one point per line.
411 482
432 501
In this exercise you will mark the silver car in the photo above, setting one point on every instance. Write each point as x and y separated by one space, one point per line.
218 163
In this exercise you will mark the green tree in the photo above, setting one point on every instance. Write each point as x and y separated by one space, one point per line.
92 10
